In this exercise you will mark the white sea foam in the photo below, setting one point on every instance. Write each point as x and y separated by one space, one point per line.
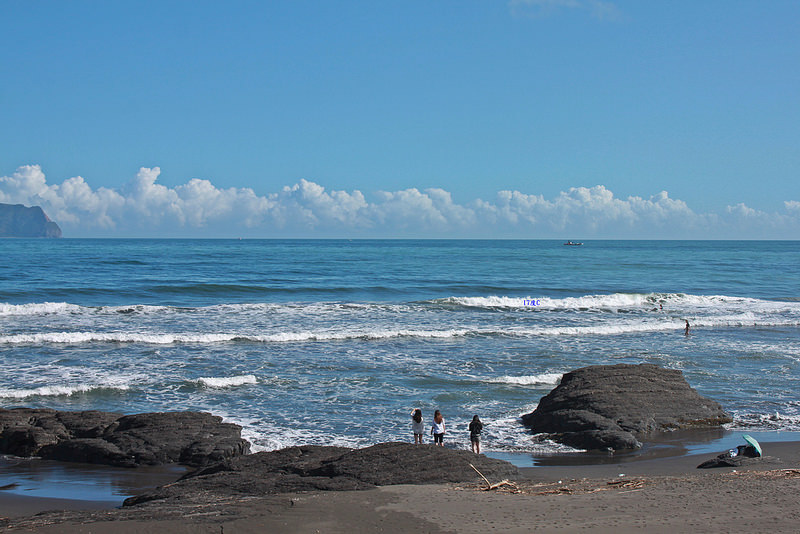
616 300
670 301
288 308
56 391
38 308
359 334
491 301
673 303
135 309
114 337
549 379
166 338
279 438
629 326
260 440
508 434
227 381
772 421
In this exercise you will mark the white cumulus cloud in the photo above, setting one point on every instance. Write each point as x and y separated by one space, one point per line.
198 208
792 205
313 205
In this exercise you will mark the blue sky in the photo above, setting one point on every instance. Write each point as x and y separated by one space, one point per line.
521 118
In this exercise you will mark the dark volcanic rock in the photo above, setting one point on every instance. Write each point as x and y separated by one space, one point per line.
332 468
191 438
88 451
615 406
17 220
25 431
402 463
617 440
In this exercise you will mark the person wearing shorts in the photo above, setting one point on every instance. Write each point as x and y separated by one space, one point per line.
475 429
437 428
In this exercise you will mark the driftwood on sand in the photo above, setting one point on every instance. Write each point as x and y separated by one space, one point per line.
490 486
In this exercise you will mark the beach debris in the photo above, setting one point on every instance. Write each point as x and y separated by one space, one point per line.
576 487
490 486
753 443
563 490
629 483
740 456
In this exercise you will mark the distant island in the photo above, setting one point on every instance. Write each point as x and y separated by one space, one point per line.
17 220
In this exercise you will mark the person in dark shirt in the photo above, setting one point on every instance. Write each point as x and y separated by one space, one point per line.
475 428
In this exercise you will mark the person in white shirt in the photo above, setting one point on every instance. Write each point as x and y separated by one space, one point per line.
437 428
417 426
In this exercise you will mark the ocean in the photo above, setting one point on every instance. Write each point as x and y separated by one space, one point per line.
334 342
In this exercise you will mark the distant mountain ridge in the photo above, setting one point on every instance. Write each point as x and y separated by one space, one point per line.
17 220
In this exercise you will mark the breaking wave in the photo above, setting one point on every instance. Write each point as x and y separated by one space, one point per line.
39 308
772 421
615 301
58 391
617 328
668 303
200 338
544 379
227 382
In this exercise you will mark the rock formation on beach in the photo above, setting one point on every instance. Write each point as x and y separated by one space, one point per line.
17 220
606 407
224 469
190 438
310 468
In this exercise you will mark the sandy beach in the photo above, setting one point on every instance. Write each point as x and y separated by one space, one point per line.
653 495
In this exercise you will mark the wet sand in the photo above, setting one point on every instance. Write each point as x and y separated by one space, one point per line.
654 495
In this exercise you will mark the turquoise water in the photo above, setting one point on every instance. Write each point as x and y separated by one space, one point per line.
334 342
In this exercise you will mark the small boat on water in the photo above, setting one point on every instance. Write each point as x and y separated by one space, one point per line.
572 243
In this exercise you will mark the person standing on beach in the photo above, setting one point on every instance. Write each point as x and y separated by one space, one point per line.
437 428
475 428
417 427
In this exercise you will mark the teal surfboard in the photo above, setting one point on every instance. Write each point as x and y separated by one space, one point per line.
754 443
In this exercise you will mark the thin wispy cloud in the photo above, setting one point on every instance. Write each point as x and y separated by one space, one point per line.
307 209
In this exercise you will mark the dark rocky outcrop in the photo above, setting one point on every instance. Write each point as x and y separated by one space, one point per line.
17 220
309 468
190 438
615 406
